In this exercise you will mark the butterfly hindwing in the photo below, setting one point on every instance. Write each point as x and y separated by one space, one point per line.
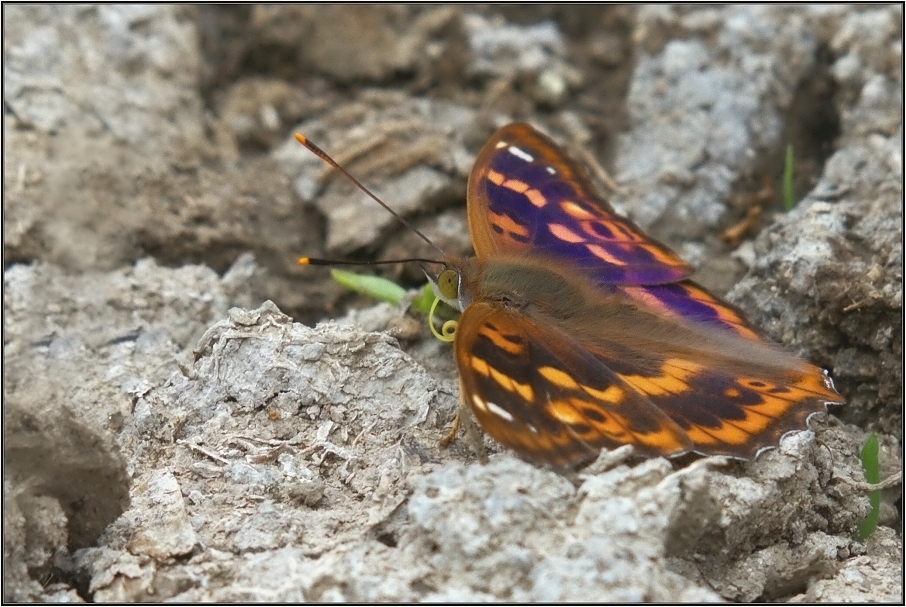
538 392
735 399
526 195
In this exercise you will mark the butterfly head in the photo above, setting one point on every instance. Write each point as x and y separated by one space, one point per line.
448 285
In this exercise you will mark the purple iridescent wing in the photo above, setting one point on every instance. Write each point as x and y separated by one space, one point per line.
691 302
527 196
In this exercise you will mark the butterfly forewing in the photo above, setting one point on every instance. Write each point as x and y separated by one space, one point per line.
691 302
526 196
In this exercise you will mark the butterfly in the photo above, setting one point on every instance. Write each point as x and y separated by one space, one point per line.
579 332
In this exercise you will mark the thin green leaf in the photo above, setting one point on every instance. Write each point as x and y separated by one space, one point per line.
385 290
872 472
373 286
789 196
424 299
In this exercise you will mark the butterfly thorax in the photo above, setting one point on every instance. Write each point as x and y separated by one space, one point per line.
522 284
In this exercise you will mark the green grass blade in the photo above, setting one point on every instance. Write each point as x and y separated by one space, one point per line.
872 472
373 286
385 290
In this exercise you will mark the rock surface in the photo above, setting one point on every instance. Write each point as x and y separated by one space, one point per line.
168 436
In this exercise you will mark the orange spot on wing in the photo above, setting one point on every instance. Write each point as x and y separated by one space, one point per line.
524 390
575 211
502 379
480 366
514 348
662 440
675 372
564 411
599 252
558 378
724 312
726 434
510 385
661 255
612 395
612 426
508 225
516 185
479 404
654 386
814 382
495 177
536 198
682 364
563 233
620 232
648 299
738 432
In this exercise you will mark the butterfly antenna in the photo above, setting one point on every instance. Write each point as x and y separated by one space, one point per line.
316 261
323 156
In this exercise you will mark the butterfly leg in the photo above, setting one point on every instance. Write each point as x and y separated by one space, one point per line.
473 435
445 441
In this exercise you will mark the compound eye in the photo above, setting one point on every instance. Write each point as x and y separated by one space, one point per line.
448 284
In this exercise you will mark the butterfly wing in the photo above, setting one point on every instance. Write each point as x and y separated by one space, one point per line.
538 392
729 400
526 195
690 301
558 398
739 414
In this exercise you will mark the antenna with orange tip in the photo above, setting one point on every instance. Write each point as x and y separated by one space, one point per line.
323 156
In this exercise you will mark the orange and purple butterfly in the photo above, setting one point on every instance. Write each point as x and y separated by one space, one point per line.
580 333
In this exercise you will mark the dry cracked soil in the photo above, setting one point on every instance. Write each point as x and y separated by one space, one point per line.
190 416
